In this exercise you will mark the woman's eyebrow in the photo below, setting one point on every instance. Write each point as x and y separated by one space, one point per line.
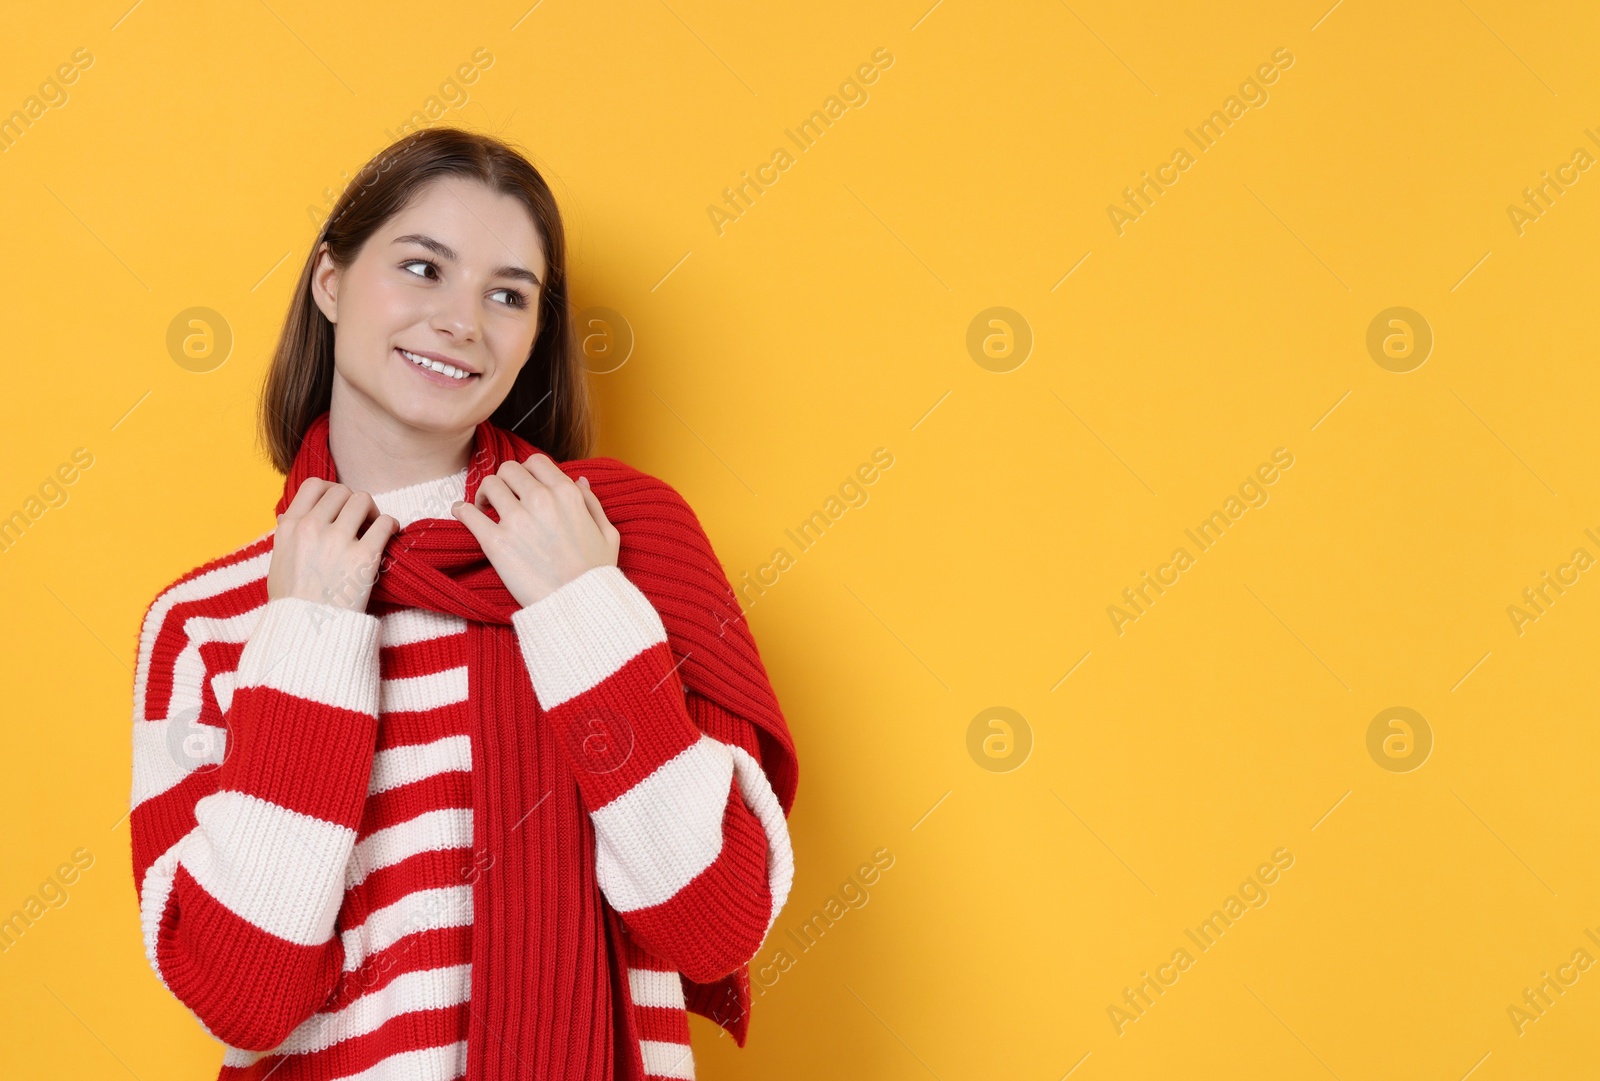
445 251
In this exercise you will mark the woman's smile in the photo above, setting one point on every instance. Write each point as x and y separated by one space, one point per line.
437 371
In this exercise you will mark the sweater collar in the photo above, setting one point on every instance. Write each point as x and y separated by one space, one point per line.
426 499
491 446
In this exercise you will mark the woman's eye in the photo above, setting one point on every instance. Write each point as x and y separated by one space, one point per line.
514 297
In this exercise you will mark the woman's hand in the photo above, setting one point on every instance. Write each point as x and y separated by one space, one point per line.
550 530
318 551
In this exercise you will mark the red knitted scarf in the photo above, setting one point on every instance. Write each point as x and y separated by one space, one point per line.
545 945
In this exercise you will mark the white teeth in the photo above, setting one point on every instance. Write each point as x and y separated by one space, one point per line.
434 365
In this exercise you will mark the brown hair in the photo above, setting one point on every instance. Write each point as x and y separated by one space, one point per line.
548 405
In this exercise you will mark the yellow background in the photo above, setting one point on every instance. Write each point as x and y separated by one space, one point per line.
830 320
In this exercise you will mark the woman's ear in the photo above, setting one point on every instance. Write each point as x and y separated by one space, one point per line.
325 283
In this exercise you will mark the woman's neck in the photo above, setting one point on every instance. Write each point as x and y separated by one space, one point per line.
376 452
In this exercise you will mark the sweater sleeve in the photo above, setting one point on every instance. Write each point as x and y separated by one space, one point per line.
692 848
245 813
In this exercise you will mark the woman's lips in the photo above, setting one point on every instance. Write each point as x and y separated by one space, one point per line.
437 378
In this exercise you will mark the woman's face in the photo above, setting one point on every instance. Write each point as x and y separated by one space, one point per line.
456 278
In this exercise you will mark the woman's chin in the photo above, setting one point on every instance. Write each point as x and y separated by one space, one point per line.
428 412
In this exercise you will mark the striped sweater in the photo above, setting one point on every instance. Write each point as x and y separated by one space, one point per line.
302 818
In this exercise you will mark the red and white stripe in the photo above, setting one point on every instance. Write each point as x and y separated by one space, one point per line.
303 860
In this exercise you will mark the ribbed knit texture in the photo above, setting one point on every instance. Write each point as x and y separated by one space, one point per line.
617 749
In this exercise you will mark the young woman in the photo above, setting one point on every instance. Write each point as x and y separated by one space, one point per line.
470 767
